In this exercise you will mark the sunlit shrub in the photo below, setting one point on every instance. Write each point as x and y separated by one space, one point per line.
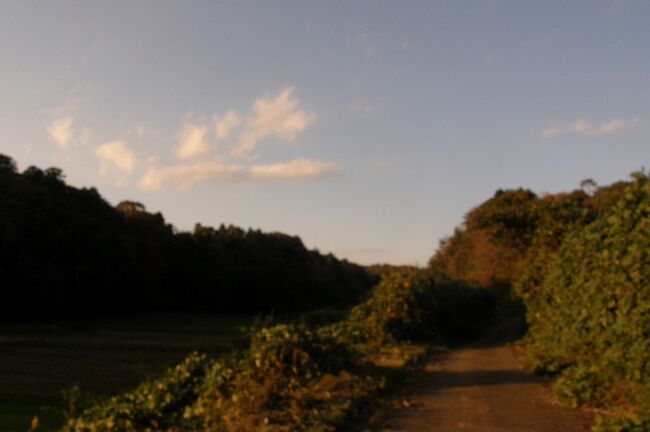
590 315
409 305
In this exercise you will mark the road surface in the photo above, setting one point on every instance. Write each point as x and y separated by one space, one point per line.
482 387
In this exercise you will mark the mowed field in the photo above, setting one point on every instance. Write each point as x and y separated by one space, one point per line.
103 357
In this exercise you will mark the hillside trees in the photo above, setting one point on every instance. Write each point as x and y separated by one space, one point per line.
488 249
66 252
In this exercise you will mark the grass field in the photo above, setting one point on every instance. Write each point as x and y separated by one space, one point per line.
103 357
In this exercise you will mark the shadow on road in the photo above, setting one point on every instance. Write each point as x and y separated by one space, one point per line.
449 379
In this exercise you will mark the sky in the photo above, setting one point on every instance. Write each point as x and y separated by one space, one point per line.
367 128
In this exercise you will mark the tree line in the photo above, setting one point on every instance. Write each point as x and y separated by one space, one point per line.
66 253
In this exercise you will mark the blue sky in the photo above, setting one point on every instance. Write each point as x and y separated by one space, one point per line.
368 128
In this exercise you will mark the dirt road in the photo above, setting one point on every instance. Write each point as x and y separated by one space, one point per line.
482 387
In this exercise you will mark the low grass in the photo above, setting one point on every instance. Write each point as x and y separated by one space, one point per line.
102 357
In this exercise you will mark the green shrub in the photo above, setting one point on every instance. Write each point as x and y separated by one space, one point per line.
410 306
624 424
154 405
290 379
402 306
590 316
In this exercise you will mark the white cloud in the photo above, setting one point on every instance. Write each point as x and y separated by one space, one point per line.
282 118
61 131
116 155
192 142
606 128
64 135
186 175
584 127
224 125
300 169
551 132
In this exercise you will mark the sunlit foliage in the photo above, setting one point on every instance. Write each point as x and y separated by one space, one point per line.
590 313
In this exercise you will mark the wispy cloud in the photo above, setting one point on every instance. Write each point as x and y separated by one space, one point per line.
584 127
606 128
116 156
192 141
61 131
184 176
551 132
64 135
224 125
279 116
282 118
300 169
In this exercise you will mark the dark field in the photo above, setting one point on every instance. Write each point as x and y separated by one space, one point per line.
102 357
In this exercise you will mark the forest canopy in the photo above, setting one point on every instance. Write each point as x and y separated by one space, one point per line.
66 252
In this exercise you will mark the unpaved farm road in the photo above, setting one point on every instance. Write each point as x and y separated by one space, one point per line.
482 387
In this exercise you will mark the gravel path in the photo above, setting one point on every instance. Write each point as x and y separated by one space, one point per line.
482 387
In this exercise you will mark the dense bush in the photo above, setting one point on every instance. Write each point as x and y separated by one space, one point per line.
590 315
400 307
511 235
488 249
292 378
409 305
559 216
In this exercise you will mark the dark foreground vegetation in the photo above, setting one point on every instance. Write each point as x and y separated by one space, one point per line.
579 263
94 359
312 375
66 253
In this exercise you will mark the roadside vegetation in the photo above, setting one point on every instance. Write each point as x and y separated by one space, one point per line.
578 263
301 376
589 313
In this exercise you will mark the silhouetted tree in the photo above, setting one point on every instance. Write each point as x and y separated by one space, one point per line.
65 252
